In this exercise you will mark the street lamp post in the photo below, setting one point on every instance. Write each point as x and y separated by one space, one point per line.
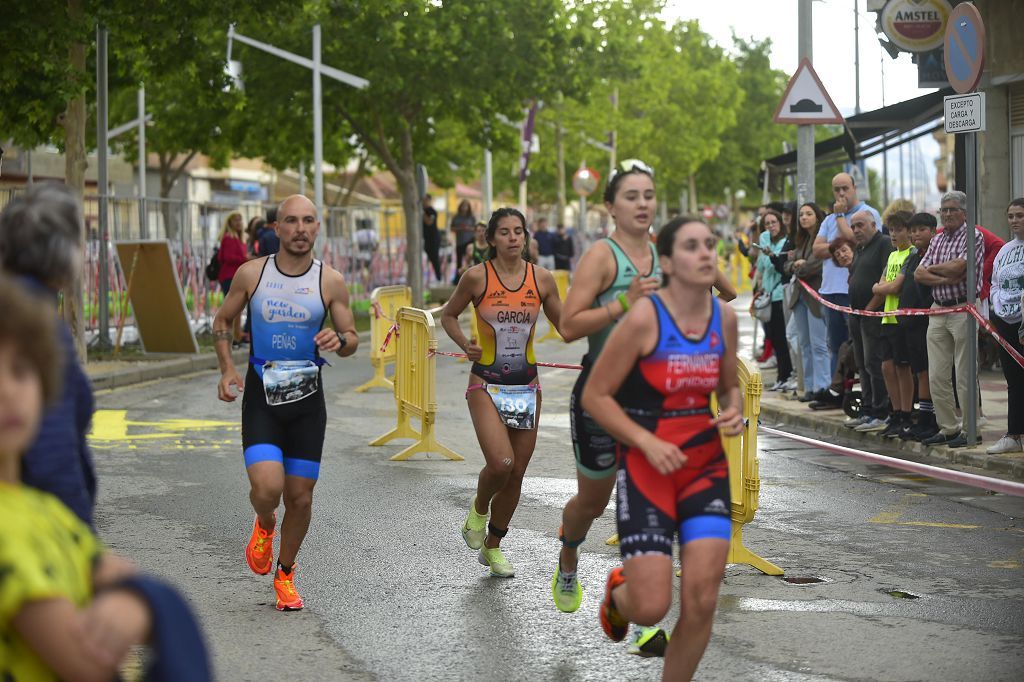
318 68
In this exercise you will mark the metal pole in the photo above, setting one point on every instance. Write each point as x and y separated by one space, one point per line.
583 216
302 177
28 164
856 56
885 154
488 185
903 185
970 410
318 124
143 227
805 133
103 341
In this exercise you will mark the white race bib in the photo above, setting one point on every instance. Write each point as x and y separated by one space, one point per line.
286 381
517 405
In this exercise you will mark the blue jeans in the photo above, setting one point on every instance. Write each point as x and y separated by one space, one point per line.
838 331
812 332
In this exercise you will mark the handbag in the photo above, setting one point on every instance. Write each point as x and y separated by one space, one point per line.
763 306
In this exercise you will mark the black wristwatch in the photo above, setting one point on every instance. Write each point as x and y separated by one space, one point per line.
342 340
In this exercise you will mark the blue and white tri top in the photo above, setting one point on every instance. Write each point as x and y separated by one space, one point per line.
286 312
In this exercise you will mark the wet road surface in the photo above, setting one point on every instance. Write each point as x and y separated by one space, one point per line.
392 592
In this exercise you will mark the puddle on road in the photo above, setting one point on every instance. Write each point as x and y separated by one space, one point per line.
804 580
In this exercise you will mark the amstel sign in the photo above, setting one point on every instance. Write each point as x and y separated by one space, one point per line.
916 25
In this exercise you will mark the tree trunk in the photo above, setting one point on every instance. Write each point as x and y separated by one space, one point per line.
560 171
693 195
412 207
167 179
74 176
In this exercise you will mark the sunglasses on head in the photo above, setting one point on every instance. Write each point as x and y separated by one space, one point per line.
632 166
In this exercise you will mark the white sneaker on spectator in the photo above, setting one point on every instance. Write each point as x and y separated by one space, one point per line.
777 386
1005 444
873 424
855 421
770 363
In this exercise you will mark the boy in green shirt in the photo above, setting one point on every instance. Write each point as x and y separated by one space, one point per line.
899 381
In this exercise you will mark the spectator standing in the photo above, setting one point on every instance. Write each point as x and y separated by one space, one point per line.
564 249
899 379
252 231
773 243
431 237
872 254
834 287
944 269
39 244
463 227
1007 290
232 255
914 329
266 237
807 312
545 244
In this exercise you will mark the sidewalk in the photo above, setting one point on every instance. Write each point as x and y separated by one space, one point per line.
791 414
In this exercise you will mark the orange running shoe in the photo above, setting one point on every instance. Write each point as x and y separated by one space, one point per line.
612 622
259 553
287 598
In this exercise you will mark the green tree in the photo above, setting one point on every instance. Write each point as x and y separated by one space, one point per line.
432 68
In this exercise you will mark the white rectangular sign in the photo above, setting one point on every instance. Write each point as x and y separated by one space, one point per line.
964 113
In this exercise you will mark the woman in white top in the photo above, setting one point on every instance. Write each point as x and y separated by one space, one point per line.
1005 297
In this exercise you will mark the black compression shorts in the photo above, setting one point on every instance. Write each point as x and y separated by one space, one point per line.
292 434
594 448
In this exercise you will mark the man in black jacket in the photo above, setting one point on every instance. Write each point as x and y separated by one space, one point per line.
871 256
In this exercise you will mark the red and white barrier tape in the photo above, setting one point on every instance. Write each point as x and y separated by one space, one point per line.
964 478
910 312
558 365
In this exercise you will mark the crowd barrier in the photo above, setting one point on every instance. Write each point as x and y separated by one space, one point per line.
385 303
922 312
562 282
739 269
415 382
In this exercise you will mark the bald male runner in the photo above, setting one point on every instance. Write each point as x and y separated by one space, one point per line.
284 417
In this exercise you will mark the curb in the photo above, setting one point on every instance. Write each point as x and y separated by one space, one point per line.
1007 466
168 369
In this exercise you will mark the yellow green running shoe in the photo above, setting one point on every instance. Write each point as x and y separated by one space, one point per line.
566 590
648 641
475 529
499 565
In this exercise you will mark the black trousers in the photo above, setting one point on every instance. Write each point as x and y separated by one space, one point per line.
866 333
777 333
1014 374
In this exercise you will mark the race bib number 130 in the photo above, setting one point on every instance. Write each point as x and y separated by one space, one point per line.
517 405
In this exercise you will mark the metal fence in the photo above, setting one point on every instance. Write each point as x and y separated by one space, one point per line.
366 244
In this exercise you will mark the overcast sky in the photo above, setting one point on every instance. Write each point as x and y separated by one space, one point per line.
833 52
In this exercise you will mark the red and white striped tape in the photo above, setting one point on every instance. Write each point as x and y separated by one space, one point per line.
910 312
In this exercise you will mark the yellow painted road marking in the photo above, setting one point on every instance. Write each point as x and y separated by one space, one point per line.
112 426
932 524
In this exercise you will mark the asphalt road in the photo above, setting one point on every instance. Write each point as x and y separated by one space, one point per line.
392 593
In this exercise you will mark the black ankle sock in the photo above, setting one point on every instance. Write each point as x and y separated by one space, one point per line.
287 570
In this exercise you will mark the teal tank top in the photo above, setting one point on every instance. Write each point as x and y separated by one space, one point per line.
625 271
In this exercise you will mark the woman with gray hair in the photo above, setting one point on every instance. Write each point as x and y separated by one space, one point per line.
41 247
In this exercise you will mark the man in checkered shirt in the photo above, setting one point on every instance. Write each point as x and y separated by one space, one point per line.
944 269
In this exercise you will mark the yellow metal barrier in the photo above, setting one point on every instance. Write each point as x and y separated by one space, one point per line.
562 282
415 380
385 301
744 478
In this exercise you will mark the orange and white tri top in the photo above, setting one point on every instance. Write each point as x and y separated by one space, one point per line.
505 321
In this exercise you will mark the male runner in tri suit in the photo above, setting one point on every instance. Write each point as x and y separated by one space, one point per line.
284 416
651 390
503 394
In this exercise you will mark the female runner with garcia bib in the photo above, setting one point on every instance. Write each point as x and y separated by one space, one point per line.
667 356
503 394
